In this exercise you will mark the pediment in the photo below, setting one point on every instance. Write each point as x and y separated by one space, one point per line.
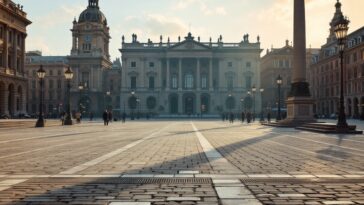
189 45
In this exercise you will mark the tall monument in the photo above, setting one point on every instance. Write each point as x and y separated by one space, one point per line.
299 102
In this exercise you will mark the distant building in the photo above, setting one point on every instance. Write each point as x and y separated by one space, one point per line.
189 77
54 83
89 59
279 61
13 83
325 74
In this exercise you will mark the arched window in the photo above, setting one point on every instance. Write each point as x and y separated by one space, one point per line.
189 81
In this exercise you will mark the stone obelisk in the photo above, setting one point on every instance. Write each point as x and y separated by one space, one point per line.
299 102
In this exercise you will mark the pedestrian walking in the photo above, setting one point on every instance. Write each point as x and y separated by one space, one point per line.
63 116
91 116
109 115
123 117
105 117
242 117
231 118
78 117
249 117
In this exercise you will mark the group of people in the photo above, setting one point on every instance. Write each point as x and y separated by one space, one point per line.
249 117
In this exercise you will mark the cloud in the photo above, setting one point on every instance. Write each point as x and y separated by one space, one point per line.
202 5
61 15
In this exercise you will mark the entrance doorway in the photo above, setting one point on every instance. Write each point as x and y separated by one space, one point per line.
189 104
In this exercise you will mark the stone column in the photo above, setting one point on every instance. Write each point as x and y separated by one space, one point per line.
6 48
180 75
168 75
211 85
5 104
198 76
180 103
15 52
22 63
299 103
198 103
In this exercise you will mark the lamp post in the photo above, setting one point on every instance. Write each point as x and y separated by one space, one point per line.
254 90
106 98
242 104
230 102
262 113
279 83
41 74
132 104
341 32
68 75
80 88
138 107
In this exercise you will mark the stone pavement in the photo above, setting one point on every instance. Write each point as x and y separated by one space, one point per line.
179 162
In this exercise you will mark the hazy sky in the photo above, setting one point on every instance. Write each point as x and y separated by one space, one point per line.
271 19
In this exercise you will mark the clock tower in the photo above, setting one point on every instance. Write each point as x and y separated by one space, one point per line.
89 59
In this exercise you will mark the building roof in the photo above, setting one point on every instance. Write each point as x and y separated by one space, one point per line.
92 14
46 59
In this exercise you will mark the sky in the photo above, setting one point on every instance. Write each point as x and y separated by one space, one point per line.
272 20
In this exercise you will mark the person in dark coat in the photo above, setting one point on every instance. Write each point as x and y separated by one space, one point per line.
123 117
109 115
105 117
242 117
249 117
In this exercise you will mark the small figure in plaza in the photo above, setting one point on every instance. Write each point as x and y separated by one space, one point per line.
123 117
109 115
268 116
91 116
63 116
231 118
78 117
242 117
249 117
105 117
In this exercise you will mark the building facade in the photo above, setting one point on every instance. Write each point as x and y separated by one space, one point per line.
279 61
54 83
189 77
324 74
89 59
13 82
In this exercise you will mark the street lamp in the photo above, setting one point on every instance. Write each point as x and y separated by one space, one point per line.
254 90
41 74
80 88
262 113
341 32
138 106
68 75
279 83
132 104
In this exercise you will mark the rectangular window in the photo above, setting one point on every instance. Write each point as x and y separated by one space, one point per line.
59 96
111 85
248 82
230 64
133 64
51 73
248 64
51 85
85 77
151 82
34 84
133 82
50 95
204 82
59 84
230 83
50 108
174 82
151 64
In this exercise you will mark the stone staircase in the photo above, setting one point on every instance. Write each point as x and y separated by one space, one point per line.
328 128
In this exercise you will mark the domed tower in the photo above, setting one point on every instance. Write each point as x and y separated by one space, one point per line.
89 58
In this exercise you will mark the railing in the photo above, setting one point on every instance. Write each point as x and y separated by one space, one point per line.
137 45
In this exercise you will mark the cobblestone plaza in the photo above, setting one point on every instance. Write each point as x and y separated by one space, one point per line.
179 162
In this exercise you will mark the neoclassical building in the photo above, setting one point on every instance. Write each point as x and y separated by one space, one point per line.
90 58
189 76
13 83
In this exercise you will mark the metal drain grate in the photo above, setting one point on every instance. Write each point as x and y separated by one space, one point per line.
123 181
303 181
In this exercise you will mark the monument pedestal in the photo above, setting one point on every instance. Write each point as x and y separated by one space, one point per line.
299 112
